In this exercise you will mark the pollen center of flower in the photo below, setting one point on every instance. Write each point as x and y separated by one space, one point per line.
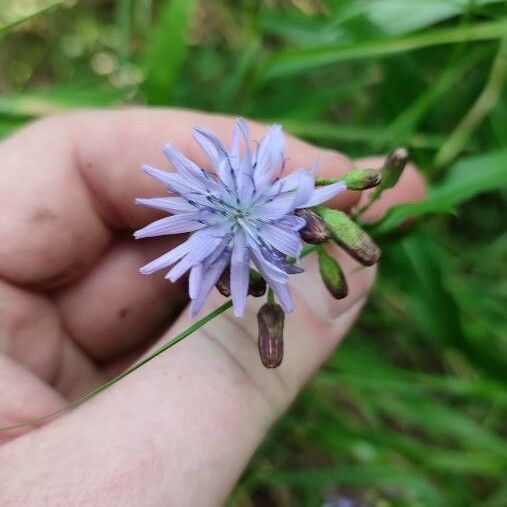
239 215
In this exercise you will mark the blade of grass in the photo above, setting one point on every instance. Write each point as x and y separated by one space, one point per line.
402 16
401 129
14 12
352 133
298 60
123 17
482 106
166 50
464 180
433 306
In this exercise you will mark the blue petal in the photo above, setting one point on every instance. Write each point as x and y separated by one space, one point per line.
195 280
210 276
175 224
169 204
184 166
284 241
323 194
203 245
240 273
269 156
164 261
211 145
283 294
173 181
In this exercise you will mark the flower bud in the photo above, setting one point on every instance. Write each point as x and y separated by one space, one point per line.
332 275
393 167
270 340
362 179
350 236
315 231
224 283
256 284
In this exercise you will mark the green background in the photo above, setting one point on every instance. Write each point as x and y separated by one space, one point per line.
411 411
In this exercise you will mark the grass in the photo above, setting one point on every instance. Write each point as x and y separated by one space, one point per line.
412 410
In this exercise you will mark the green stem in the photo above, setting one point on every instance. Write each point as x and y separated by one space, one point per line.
358 213
187 332
320 182
307 249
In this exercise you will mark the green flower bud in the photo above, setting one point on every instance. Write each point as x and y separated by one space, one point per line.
393 167
256 284
315 231
362 179
270 340
350 236
332 275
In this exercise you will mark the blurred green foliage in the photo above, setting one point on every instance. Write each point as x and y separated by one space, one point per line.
412 409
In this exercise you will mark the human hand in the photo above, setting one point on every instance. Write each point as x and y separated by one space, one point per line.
74 310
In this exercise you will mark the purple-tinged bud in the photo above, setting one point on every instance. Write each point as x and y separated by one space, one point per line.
362 179
332 275
270 320
224 283
393 167
256 285
315 231
350 236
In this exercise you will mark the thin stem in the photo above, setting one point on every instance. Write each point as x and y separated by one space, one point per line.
356 214
479 110
307 249
320 182
188 331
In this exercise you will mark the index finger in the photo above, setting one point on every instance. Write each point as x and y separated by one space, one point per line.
69 181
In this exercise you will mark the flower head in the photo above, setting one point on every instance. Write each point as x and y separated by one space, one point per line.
241 214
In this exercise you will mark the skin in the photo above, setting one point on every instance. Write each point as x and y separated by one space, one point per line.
74 311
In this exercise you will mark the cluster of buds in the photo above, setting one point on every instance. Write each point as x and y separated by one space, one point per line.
256 284
324 225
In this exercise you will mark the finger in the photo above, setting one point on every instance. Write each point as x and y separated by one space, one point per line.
114 308
410 188
68 180
23 397
198 411
33 335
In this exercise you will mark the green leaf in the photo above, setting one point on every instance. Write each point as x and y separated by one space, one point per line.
167 50
423 267
402 16
14 12
324 131
58 98
299 60
464 180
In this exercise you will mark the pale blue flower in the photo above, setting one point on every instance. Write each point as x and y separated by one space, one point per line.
239 215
